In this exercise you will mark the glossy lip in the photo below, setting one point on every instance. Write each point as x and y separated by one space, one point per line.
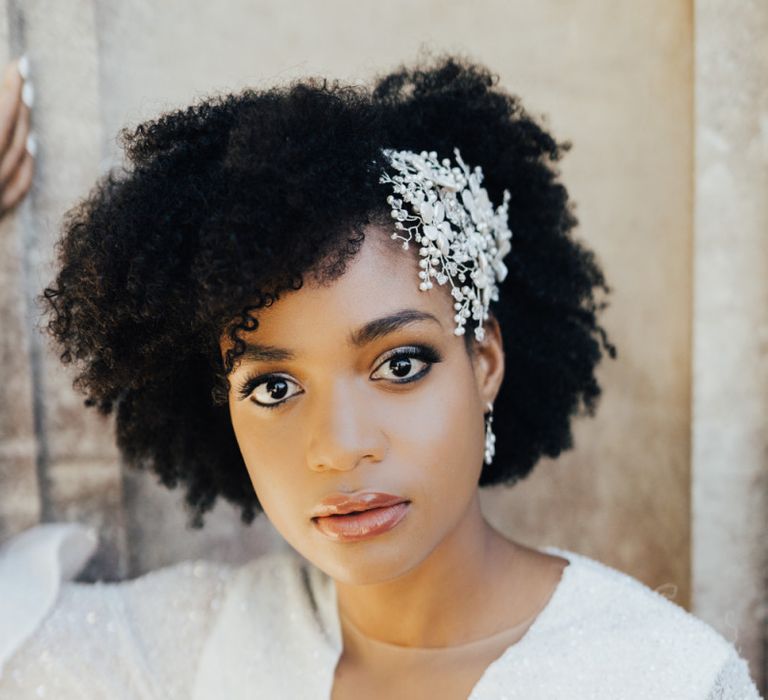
356 526
342 503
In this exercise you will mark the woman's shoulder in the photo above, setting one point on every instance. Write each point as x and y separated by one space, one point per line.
70 639
636 627
281 583
614 599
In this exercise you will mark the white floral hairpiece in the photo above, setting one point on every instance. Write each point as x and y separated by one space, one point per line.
463 238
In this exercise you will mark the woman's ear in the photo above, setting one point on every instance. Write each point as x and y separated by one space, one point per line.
488 361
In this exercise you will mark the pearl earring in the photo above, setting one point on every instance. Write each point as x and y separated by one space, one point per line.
490 438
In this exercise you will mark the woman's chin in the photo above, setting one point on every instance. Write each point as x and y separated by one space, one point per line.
366 563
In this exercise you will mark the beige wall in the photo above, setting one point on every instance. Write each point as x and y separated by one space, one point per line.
617 79
730 439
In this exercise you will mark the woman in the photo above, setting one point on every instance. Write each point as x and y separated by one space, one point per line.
295 299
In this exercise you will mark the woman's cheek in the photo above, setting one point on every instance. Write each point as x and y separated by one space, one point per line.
254 450
441 437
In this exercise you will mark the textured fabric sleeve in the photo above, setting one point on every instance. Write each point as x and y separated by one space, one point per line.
733 681
132 640
33 566
167 616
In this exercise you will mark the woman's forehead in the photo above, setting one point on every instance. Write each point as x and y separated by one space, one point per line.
379 286
381 279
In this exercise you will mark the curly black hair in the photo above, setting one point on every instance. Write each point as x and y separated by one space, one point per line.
223 206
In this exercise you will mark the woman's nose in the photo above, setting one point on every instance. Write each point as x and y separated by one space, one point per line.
344 431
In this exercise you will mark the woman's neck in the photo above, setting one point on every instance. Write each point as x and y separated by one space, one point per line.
467 588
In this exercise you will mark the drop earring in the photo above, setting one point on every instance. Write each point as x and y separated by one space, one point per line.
490 438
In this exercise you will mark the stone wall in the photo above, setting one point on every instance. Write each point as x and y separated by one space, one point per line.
730 321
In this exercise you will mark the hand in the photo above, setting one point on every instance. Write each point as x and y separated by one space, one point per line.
17 145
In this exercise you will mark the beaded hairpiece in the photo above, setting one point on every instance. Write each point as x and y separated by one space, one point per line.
463 238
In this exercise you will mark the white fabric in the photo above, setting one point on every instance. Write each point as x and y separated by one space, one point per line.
32 566
270 629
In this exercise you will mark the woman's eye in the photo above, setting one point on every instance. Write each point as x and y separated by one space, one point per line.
408 365
401 367
269 392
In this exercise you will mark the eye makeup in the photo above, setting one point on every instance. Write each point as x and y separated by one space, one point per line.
425 353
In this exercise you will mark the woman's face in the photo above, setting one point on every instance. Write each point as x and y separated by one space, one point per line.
397 409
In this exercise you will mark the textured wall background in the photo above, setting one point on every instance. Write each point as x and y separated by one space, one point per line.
668 482
730 439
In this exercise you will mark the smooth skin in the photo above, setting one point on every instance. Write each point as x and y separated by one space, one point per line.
443 576
17 164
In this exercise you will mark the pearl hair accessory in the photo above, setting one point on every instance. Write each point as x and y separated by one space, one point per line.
463 238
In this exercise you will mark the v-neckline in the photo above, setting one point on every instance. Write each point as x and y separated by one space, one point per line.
550 608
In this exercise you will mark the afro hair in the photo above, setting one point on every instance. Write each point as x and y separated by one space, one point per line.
224 205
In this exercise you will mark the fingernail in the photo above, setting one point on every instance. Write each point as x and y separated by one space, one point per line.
23 67
28 95
32 144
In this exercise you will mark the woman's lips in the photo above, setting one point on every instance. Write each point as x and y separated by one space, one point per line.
360 526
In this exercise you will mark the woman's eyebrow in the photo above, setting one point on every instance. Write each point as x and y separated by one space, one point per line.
388 324
367 333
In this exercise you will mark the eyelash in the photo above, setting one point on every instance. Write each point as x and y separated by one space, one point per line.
425 353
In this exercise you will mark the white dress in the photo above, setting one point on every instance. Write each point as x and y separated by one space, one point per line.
270 629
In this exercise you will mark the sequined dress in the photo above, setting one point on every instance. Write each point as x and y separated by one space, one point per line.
270 629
